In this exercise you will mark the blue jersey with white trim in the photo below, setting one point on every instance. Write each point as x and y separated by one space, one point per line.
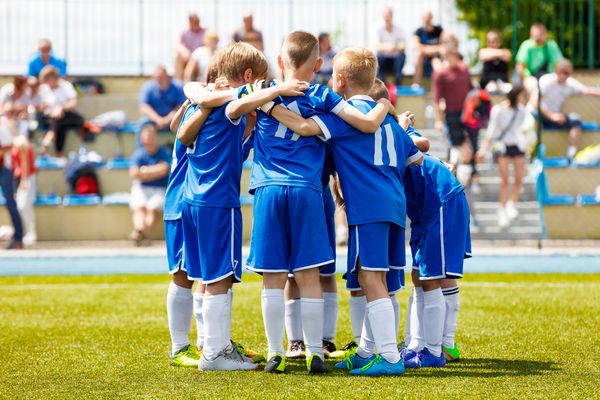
172 206
282 157
370 166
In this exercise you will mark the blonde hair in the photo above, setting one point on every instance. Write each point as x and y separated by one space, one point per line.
298 47
236 58
212 69
358 65
379 91
48 72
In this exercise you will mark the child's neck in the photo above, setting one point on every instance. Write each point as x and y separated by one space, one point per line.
299 74
350 92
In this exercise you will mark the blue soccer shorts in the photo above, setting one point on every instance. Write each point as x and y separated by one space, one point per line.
445 241
329 206
174 241
289 231
213 242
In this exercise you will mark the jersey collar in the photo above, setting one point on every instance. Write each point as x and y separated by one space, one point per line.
361 97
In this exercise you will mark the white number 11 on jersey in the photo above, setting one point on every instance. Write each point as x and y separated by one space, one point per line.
391 148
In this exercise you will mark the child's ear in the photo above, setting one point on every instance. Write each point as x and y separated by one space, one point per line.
318 64
280 62
341 80
248 75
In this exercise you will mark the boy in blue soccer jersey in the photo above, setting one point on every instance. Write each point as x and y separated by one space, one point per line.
210 210
370 169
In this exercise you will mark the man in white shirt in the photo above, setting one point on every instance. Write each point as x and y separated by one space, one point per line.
555 88
390 48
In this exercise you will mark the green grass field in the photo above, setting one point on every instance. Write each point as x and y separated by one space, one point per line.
532 336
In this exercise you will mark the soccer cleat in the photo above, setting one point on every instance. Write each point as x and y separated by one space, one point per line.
407 353
424 359
346 351
316 365
379 366
451 354
328 348
276 364
295 349
354 361
186 357
228 359
251 355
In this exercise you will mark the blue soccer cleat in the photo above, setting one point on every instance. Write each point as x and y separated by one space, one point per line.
380 367
407 354
426 360
354 361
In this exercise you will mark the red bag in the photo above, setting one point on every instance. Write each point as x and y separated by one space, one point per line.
86 185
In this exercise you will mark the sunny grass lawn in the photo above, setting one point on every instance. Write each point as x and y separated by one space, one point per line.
533 336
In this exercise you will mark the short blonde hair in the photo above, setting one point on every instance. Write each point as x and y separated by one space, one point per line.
48 72
358 65
298 47
212 69
238 57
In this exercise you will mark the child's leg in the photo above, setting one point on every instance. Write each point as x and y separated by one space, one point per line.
198 297
417 339
273 310
179 311
358 307
330 313
293 321
434 310
407 336
396 307
215 312
451 298
311 310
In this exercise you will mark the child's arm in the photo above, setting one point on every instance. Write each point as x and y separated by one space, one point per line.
174 125
191 128
368 123
201 95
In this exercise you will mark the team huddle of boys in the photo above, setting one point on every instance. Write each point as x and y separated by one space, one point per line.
304 135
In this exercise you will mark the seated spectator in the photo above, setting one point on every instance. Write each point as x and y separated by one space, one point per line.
58 100
197 66
19 96
159 100
326 53
536 56
8 130
427 45
241 35
391 45
189 40
495 60
43 58
149 170
555 88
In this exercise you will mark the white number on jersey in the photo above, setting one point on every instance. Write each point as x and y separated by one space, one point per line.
282 129
391 148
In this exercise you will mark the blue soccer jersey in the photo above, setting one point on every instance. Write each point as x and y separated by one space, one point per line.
370 166
172 208
282 157
215 162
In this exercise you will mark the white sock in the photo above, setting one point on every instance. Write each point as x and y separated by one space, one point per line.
434 310
293 320
199 320
214 311
381 317
179 316
417 339
226 340
358 306
366 342
451 297
396 307
273 310
408 313
330 315
312 311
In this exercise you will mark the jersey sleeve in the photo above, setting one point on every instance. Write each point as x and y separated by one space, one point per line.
332 126
332 102
136 159
412 152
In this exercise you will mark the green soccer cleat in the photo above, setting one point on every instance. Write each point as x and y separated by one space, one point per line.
276 364
254 356
316 365
452 355
186 357
346 351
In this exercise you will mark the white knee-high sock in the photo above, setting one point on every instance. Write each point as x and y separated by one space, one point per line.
381 317
214 311
417 340
179 316
366 342
396 307
273 310
434 310
311 311
408 313
199 320
358 305
293 320
330 315
451 297
226 340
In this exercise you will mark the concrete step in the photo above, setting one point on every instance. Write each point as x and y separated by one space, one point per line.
491 207
490 220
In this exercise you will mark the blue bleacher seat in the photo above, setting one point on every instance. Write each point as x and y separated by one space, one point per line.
116 199
81 200
587 200
247 164
118 163
410 91
48 200
556 162
559 200
590 126
246 200
47 162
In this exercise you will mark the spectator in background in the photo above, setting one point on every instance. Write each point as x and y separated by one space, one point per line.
23 166
189 40
58 100
391 45
19 96
8 130
197 66
536 56
159 100
248 27
326 53
149 170
43 58
427 45
555 88
495 60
